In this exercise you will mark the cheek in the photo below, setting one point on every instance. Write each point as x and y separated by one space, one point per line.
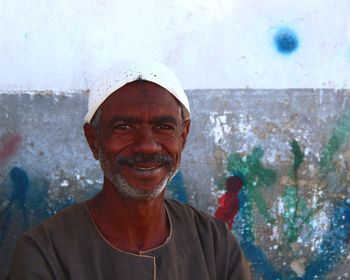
176 151
112 146
104 156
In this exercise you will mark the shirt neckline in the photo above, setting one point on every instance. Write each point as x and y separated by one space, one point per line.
141 253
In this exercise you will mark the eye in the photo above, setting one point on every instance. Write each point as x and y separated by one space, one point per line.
165 127
122 127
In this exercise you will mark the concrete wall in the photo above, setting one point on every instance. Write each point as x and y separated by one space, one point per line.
290 148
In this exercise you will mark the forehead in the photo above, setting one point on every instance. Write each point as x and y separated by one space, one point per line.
140 95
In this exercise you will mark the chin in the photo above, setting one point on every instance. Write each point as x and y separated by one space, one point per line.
133 192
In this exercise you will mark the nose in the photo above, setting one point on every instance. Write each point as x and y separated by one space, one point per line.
146 142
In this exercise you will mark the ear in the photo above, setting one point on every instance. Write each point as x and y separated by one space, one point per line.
185 131
91 137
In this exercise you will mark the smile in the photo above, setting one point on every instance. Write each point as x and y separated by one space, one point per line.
146 168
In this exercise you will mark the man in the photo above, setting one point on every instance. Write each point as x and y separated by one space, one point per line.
137 124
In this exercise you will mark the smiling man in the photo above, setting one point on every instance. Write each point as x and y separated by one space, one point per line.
137 124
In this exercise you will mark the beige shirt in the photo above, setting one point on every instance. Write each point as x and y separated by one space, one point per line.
69 246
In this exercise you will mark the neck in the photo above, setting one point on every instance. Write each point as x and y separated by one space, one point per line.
130 225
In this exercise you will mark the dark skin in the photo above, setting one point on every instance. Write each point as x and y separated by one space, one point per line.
140 117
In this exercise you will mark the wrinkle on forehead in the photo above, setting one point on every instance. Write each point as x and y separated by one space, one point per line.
142 98
142 84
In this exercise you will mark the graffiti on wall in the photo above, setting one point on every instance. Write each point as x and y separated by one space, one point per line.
229 201
176 188
308 236
8 146
23 201
285 40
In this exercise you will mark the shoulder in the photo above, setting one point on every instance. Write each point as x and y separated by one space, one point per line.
67 215
186 211
65 222
205 224
37 249
218 244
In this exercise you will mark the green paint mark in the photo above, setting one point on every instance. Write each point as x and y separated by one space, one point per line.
260 203
293 216
298 159
297 215
290 199
255 177
339 137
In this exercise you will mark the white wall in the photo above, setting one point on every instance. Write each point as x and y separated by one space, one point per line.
61 45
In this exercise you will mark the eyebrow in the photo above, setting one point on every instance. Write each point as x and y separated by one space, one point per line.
134 120
125 119
165 119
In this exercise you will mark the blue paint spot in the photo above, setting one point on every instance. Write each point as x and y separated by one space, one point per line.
20 185
260 261
334 244
177 188
286 41
254 254
333 247
242 223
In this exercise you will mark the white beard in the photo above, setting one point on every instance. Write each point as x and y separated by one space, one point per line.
129 191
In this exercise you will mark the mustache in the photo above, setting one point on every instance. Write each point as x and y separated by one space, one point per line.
157 159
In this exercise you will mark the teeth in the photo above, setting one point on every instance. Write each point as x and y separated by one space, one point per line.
145 168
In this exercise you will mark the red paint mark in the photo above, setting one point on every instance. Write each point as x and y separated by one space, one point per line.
9 146
229 202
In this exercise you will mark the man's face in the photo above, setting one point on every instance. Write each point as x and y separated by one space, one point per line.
140 139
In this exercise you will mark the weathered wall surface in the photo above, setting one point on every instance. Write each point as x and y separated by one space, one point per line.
289 148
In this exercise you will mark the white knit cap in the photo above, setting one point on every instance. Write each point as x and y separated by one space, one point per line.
131 70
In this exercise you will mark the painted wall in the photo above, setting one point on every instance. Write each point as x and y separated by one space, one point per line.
276 172
269 155
62 45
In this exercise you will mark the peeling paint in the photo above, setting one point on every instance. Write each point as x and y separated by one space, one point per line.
220 127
